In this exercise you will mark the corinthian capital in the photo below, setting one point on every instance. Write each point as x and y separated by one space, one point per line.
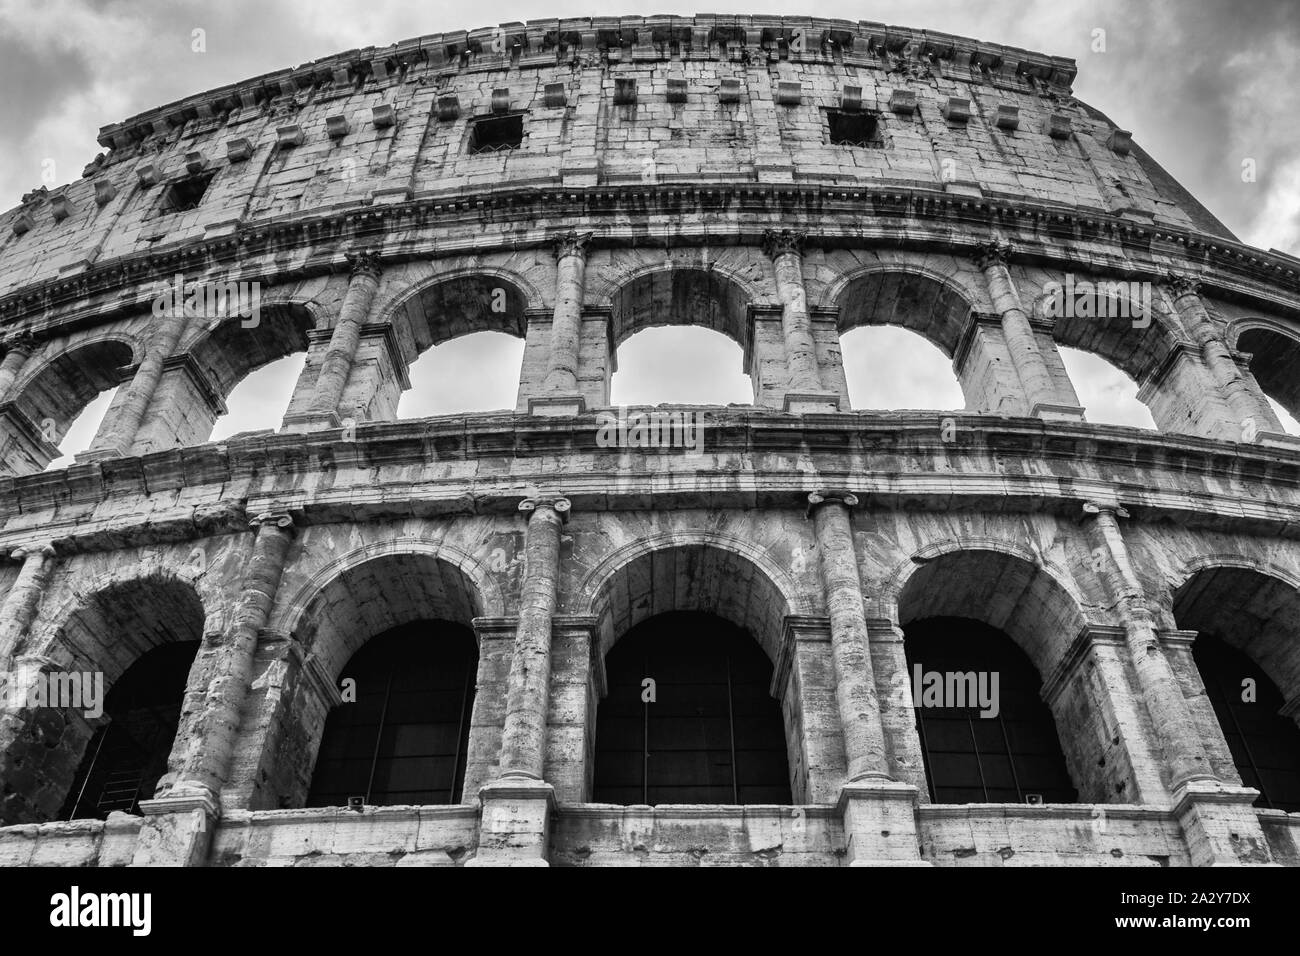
23 342
993 254
364 263
1181 285
572 244
777 242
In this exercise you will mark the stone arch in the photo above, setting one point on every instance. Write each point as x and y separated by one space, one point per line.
229 350
670 294
760 603
911 296
397 582
55 388
745 268
1274 350
1253 605
1129 336
74 635
993 566
103 632
466 300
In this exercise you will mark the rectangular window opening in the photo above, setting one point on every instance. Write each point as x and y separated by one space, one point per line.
853 128
496 133
186 194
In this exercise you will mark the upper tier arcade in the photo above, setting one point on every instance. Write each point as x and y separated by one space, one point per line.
778 180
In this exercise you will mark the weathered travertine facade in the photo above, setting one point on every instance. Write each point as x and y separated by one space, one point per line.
669 171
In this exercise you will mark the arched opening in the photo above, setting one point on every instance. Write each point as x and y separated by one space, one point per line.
138 638
400 626
1111 336
83 429
467 337
985 626
681 319
75 387
1108 395
1275 363
686 366
1265 745
689 717
258 402
884 366
126 757
478 372
403 740
1246 623
252 367
986 735
691 611
891 367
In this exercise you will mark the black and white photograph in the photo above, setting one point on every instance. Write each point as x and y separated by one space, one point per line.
852 436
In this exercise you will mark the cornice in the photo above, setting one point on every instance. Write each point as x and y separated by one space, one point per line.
856 217
602 40
891 460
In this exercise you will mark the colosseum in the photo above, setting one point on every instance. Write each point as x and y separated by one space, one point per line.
784 633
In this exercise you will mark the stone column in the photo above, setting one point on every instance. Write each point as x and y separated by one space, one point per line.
879 813
804 389
1031 368
178 824
123 421
1218 819
562 395
517 807
17 349
336 367
855 691
24 598
1246 403
523 739
1160 689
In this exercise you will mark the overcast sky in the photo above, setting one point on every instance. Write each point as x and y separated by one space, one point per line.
1203 85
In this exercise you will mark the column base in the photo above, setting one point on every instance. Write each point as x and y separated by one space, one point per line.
98 454
557 405
1220 824
1278 440
803 403
309 422
1057 413
880 823
515 825
177 829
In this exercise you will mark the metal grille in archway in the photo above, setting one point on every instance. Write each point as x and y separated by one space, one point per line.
404 739
713 734
127 756
1265 745
1012 757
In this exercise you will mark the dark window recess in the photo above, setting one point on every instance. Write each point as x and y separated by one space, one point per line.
712 735
853 129
404 739
1265 745
491 135
127 756
185 194
975 759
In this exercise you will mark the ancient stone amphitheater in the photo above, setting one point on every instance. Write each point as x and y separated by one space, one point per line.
358 639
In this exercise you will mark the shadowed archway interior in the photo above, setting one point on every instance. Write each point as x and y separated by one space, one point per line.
127 756
401 734
689 718
994 747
